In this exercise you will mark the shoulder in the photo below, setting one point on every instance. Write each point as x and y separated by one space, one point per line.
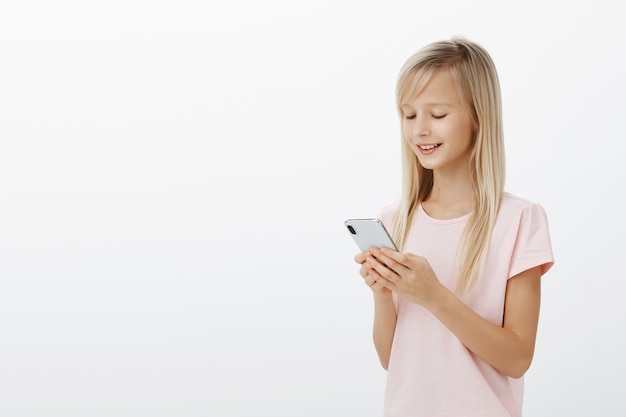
524 223
518 215
512 201
387 213
513 206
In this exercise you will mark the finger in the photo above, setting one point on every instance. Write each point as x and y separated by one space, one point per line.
370 280
392 259
397 256
382 270
360 257
380 284
376 282
364 271
377 287
368 270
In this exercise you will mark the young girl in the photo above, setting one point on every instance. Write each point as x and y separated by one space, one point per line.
456 309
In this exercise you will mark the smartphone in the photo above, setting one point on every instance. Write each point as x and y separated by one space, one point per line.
369 232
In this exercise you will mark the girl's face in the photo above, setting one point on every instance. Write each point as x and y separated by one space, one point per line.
437 125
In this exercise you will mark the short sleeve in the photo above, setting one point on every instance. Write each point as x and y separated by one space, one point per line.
532 246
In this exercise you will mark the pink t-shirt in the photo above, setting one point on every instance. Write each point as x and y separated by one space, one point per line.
431 373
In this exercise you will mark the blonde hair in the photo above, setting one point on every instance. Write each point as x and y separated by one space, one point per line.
474 73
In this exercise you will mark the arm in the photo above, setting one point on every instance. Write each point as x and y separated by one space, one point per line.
384 312
508 348
384 327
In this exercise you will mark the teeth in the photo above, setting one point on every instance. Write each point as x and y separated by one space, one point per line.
427 147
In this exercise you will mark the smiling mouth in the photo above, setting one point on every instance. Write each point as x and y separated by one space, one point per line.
429 147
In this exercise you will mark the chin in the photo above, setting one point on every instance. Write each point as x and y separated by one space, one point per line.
428 165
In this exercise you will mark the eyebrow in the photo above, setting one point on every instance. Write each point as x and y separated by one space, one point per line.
432 104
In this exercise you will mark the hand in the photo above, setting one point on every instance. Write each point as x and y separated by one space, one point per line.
370 275
403 273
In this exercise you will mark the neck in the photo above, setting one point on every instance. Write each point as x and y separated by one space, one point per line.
452 195
452 185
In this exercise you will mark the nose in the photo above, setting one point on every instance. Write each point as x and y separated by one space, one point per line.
420 128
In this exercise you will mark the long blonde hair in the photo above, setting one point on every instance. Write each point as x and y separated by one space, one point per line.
474 72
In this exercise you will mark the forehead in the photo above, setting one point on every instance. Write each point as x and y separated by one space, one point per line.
441 89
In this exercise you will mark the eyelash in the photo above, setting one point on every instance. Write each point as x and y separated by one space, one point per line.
432 115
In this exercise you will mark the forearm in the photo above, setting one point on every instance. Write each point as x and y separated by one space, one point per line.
384 327
502 348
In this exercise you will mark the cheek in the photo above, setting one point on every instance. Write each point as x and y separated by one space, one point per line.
462 132
407 131
407 137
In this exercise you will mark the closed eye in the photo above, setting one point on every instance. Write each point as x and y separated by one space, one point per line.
438 116
409 117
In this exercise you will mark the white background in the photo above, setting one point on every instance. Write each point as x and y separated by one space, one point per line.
174 176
